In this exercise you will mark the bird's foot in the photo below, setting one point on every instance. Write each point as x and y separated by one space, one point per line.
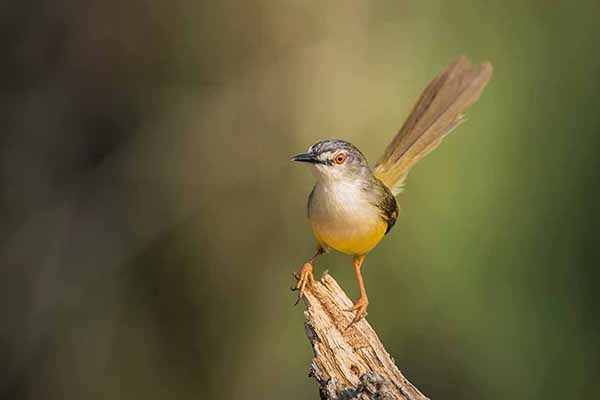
305 277
360 306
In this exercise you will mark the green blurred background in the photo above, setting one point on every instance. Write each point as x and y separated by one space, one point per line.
151 218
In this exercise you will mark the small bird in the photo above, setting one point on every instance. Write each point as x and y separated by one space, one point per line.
352 207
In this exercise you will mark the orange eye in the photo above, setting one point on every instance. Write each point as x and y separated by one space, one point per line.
340 158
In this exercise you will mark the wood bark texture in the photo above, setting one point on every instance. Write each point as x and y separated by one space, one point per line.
349 361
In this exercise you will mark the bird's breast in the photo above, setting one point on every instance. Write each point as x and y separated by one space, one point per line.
343 216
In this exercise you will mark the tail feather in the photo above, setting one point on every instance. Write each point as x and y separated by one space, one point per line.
438 111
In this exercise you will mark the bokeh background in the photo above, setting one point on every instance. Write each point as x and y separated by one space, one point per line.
151 219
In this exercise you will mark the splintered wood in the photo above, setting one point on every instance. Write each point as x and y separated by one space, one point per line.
349 361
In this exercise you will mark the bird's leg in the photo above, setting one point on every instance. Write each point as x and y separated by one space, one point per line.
360 306
305 274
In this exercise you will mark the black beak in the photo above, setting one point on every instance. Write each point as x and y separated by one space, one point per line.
306 157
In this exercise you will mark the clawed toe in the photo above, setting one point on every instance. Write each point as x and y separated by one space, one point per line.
305 277
360 307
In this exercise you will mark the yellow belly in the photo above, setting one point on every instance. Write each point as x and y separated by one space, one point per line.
357 240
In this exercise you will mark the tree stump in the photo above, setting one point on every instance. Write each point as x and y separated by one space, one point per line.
349 361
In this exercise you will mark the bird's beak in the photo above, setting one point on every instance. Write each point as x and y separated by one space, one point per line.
306 157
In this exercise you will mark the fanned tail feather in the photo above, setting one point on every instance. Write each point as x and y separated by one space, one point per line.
438 111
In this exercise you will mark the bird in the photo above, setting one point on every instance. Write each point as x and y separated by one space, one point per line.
352 206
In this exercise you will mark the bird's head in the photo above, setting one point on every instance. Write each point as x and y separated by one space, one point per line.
335 160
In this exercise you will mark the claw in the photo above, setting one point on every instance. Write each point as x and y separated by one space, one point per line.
361 310
305 276
297 277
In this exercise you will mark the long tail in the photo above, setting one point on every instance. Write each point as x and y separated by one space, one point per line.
439 110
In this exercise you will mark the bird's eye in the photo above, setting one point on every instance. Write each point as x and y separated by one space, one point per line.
340 158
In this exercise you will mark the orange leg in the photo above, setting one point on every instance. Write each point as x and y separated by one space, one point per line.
305 275
360 306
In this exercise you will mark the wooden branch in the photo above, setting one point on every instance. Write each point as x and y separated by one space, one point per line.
349 361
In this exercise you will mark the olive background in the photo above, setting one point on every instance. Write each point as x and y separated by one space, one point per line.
151 219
